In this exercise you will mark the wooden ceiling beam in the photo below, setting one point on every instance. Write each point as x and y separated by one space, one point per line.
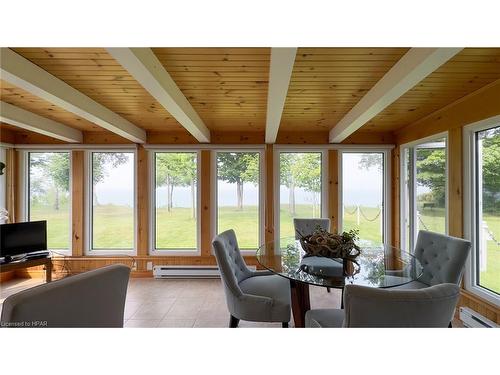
145 67
21 72
10 114
280 72
413 67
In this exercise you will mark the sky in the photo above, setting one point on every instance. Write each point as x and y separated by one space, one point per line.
360 187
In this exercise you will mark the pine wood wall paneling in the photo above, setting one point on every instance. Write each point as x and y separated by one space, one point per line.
333 189
7 135
142 202
17 200
395 189
206 203
455 183
12 183
481 104
269 197
78 201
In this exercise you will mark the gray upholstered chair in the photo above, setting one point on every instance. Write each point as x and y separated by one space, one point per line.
307 226
91 299
257 296
431 307
442 258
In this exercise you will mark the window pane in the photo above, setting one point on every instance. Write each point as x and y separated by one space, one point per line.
238 196
363 196
49 195
300 188
112 200
406 199
176 200
431 186
488 208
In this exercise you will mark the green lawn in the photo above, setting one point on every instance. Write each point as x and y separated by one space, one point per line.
113 228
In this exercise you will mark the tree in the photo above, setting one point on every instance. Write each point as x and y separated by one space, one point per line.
287 178
177 169
238 168
431 172
307 174
491 169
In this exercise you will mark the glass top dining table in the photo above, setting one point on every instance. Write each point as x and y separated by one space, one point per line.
381 266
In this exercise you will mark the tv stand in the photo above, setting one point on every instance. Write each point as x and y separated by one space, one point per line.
27 262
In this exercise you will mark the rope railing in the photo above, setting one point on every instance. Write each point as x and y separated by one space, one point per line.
357 209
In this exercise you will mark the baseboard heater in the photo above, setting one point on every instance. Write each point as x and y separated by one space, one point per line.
187 272
473 319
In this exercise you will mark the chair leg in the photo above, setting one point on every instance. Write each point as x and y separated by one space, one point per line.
449 325
328 290
284 325
233 322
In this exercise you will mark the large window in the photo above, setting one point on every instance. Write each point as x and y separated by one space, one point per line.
482 218
238 196
424 190
300 188
363 195
49 197
112 202
175 201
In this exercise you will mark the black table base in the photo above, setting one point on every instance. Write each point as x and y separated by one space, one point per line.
301 302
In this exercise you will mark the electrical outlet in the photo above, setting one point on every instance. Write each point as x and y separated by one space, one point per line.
149 266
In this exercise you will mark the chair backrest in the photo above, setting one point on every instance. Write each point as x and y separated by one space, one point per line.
232 267
307 226
442 257
374 307
91 299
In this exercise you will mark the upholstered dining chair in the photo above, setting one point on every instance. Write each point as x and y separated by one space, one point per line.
258 296
94 299
307 226
431 307
442 259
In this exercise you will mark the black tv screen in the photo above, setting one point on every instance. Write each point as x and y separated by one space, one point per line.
23 238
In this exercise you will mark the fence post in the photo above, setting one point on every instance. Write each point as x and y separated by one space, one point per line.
483 250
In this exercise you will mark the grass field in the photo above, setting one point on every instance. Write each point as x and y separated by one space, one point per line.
113 228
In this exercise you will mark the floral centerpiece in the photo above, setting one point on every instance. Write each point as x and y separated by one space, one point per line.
331 245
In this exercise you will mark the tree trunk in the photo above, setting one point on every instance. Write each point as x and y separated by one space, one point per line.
169 197
193 199
56 203
291 198
239 190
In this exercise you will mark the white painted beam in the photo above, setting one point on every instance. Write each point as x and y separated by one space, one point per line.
145 67
280 72
24 74
413 67
10 114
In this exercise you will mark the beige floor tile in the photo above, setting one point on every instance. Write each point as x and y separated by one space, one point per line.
186 308
177 323
142 323
154 310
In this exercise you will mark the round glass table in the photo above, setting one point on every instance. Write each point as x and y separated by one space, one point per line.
379 267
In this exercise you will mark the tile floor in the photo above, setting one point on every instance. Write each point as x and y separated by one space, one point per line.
179 303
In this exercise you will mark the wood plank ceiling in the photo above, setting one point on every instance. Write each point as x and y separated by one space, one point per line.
468 71
96 74
327 82
226 86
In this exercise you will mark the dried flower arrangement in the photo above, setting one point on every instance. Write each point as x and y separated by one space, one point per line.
331 245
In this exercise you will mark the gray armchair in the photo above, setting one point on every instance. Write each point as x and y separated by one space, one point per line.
257 296
307 226
442 258
431 307
91 299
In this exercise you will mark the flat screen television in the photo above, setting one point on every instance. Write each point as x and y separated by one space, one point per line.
23 238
